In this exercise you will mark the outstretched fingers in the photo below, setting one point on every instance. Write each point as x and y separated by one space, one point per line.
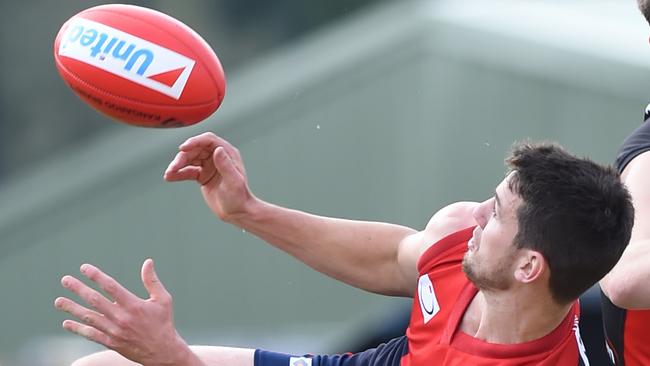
156 289
111 287
89 295
87 332
140 330
89 317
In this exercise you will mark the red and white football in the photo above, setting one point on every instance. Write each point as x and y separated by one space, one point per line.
139 66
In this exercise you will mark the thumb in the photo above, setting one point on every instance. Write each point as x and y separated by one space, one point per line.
151 282
224 164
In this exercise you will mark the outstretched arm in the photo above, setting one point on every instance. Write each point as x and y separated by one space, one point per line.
377 257
627 284
139 331
143 331
373 256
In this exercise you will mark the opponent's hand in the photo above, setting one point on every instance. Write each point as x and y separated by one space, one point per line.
218 167
140 330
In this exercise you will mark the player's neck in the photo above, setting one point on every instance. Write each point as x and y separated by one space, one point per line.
511 317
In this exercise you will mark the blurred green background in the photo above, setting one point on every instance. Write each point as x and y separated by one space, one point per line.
361 109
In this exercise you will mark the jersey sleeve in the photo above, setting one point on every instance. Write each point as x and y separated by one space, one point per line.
387 354
446 251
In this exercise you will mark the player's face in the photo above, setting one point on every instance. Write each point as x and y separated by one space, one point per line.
489 261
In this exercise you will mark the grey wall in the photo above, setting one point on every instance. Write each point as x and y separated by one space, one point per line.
387 117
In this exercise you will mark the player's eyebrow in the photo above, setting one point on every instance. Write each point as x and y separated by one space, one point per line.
497 205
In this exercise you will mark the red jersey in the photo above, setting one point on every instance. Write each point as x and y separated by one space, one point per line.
444 293
626 331
433 337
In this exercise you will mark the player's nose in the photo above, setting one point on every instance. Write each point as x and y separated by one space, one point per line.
481 213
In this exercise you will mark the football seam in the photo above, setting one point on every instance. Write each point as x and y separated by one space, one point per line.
118 97
214 81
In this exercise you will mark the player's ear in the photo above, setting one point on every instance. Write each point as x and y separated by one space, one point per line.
530 265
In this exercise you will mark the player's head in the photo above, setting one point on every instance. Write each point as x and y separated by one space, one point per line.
644 6
554 216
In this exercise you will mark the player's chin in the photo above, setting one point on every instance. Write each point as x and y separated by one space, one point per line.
466 265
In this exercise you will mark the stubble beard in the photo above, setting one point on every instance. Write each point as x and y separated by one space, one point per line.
497 278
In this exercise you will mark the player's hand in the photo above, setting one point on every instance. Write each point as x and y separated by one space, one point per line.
140 330
218 167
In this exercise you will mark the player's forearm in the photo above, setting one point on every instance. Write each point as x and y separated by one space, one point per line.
185 357
192 356
362 254
224 356
627 284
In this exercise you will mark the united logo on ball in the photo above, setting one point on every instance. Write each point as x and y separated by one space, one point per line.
139 66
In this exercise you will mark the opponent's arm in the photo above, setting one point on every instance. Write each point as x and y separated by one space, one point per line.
627 285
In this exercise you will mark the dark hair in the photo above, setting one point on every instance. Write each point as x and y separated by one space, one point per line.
644 6
575 212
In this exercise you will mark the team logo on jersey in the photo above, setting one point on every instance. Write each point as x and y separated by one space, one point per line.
127 56
427 296
299 361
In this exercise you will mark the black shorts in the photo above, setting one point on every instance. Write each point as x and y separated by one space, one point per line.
387 354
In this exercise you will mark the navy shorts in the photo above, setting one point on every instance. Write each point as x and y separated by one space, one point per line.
387 354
